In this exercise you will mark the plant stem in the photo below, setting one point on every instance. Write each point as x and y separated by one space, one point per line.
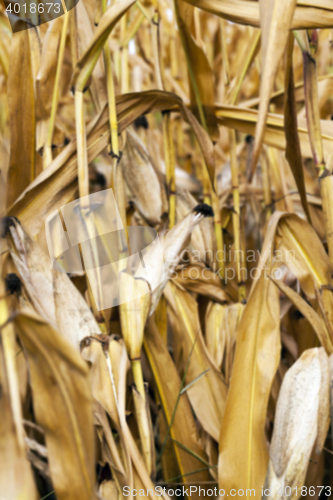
144 426
111 94
124 57
236 217
82 159
47 156
169 155
156 51
7 337
138 377
266 186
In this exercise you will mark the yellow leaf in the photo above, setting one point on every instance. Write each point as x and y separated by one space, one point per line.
242 438
62 405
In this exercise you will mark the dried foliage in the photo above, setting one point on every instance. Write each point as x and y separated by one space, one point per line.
211 121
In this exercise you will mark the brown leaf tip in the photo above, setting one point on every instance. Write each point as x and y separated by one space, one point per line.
6 223
204 210
13 284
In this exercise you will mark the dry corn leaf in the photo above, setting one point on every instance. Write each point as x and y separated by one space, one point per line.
56 185
34 268
314 319
201 280
103 387
215 340
185 322
275 22
45 80
298 243
200 74
178 414
61 393
311 100
242 438
138 463
89 59
247 12
293 149
85 33
144 184
109 449
22 117
135 301
244 120
74 318
16 477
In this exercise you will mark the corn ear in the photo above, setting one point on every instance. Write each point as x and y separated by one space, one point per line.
304 397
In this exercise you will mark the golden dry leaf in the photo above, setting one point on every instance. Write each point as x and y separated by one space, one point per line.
201 280
134 307
67 400
242 438
34 268
298 243
200 74
21 105
311 100
89 59
135 302
202 394
16 476
293 148
83 36
244 120
56 185
122 364
178 414
247 12
215 340
275 22
314 319
103 386
46 78
143 181
75 320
